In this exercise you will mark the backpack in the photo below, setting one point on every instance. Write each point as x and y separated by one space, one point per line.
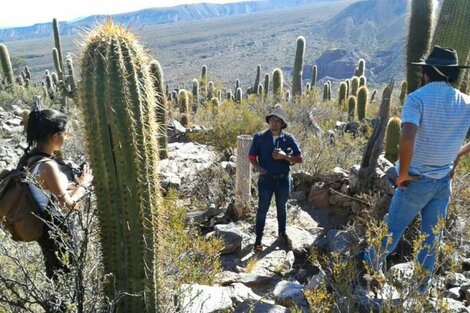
19 212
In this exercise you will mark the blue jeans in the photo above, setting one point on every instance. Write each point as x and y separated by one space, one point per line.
426 196
267 186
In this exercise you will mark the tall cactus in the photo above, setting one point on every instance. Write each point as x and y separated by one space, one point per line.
266 84
403 92
58 47
5 62
237 84
361 106
210 90
203 85
361 66
161 108
117 101
325 92
329 90
354 86
419 38
257 80
298 67
195 90
314 76
278 84
452 31
392 139
342 94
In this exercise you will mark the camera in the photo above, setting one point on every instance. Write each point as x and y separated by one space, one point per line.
71 169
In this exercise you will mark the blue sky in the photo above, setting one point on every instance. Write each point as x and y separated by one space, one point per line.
29 12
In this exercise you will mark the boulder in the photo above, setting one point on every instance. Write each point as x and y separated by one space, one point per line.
239 293
290 293
200 298
231 237
259 307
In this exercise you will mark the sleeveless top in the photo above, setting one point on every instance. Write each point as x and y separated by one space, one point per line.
42 196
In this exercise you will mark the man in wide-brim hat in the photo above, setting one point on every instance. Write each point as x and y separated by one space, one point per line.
271 154
435 120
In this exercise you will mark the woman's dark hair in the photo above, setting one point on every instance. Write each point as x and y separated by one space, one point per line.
451 73
42 124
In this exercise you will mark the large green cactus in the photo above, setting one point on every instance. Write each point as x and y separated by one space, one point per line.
117 100
5 62
298 67
161 108
419 38
452 31
361 106
392 139
278 82
266 84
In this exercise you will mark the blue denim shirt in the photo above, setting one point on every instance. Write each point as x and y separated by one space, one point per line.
263 146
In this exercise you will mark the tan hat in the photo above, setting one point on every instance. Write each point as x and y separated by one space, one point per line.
279 113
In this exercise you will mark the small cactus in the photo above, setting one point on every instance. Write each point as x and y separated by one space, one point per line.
239 95
351 107
257 80
229 95
342 94
5 63
161 108
362 80
361 66
325 92
314 76
278 84
203 85
392 139
195 90
361 105
210 90
354 86
403 92
266 84
288 96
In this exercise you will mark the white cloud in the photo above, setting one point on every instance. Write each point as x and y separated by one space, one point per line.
29 12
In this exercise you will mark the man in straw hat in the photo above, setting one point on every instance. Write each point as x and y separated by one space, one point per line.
435 119
272 153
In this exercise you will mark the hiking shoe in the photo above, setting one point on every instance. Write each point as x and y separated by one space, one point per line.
258 246
286 240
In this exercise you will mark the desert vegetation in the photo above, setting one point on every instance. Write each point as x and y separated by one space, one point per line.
150 239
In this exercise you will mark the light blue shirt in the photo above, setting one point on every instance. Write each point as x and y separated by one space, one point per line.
442 114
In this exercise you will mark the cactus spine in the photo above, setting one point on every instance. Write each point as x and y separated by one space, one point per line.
266 84
361 106
314 76
298 67
419 38
5 62
278 82
161 108
450 32
392 139
117 101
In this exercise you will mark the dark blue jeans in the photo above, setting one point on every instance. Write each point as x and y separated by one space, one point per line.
268 185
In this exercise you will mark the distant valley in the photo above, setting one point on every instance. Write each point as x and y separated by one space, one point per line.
237 37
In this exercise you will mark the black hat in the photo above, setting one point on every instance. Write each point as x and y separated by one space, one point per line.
279 113
441 57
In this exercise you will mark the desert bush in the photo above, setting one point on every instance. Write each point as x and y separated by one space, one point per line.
188 256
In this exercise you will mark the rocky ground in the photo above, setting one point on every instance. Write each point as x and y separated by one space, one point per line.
275 279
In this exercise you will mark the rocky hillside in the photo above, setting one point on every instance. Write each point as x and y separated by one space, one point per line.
157 16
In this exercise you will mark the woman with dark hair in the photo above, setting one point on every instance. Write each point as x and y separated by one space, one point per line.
46 133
